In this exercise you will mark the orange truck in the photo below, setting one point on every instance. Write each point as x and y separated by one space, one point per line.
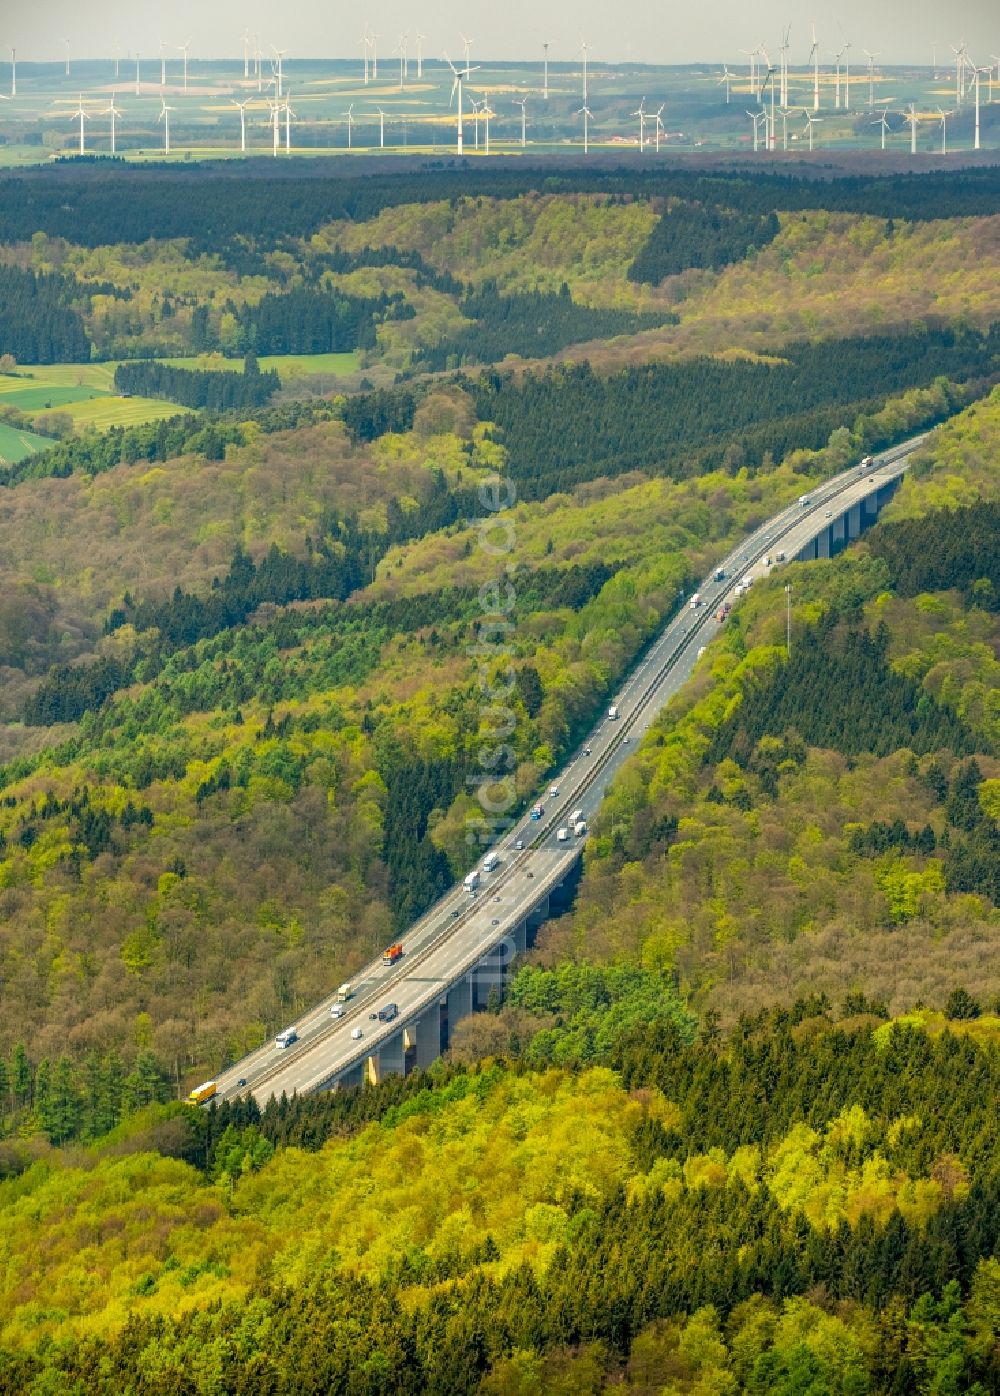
392 954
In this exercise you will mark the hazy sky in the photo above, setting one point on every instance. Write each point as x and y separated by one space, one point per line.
644 30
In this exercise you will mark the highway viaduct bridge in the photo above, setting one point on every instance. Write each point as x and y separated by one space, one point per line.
463 948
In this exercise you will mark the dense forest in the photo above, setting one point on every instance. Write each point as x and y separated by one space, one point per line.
789 1209
218 392
532 325
945 548
214 205
39 322
570 424
691 236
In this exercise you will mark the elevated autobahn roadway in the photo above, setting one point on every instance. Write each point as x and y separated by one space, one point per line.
455 935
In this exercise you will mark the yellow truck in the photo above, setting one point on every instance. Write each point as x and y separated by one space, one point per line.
202 1093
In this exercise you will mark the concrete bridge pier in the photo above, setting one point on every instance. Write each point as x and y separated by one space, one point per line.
389 1060
427 1036
855 521
823 548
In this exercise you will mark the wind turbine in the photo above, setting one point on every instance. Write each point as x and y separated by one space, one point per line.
996 60
466 49
66 42
847 75
243 121
836 91
751 55
871 79
275 112
658 119
944 131
374 39
137 89
912 119
246 55
163 66
165 118
401 49
118 59
279 54
641 114
350 124
977 75
756 117
83 116
783 50
367 43
769 130
814 60
420 56
583 46
785 113
522 102
288 123
587 115
184 49
726 78
114 113
883 121
959 72
811 121
487 112
545 80
381 128
13 75
456 86
475 108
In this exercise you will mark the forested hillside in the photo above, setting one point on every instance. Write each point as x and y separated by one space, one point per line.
788 1210
829 821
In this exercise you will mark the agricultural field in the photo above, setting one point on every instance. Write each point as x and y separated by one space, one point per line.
16 445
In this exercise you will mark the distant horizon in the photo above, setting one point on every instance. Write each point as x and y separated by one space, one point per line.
901 34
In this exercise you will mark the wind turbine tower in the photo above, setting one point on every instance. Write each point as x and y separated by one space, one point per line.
814 60
583 46
420 56
114 113
66 42
587 115
279 54
726 78
288 123
184 50
13 73
243 122
811 121
137 89
381 129
883 121
350 125
246 55
784 66
912 118
545 78
847 76
82 116
165 118
871 79
658 119
641 114
522 102
944 131
367 42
